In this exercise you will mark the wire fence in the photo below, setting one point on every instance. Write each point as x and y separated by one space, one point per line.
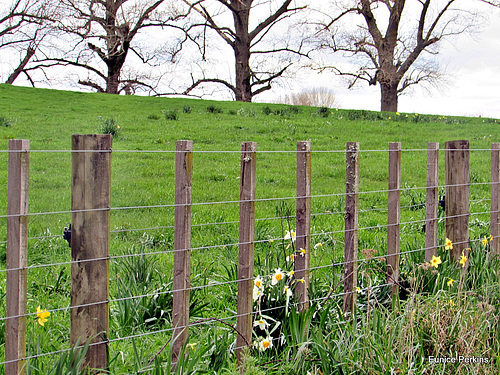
288 242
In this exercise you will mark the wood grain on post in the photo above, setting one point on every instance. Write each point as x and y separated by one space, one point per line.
182 245
90 203
394 215
17 256
457 196
351 226
303 223
246 249
495 198
432 200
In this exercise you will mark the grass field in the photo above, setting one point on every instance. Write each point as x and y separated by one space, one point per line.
436 319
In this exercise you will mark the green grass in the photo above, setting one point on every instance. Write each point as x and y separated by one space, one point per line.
48 118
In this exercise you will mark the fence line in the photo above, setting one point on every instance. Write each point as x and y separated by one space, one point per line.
85 260
111 257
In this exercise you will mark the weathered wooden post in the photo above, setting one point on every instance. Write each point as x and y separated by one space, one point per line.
182 245
303 223
457 178
246 249
394 216
495 198
432 200
17 256
90 203
351 226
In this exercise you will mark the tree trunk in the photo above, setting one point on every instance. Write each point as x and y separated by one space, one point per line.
389 97
241 49
243 88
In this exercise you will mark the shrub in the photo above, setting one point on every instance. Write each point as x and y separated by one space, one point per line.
171 115
214 109
323 111
109 126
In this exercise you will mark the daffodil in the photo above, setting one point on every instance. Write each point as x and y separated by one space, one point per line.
302 252
358 289
290 235
435 261
301 281
462 260
261 323
191 345
448 245
257 293
287 292
277 277
42 316
291 273
484 241
265 343
491 237
450 281
290 258
319 244
258 283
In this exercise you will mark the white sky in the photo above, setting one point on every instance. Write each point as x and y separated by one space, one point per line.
473 88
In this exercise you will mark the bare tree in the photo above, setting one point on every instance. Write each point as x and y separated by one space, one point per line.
23 27
237 23
392 56
103 34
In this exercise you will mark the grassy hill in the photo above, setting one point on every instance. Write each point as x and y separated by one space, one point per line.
142 178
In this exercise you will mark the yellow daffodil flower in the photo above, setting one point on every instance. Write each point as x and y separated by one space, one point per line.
435 261
484 241
462 260
42 316
302 252
450 281
448 245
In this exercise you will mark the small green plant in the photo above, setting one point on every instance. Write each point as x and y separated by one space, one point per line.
214 109
153 116
246 112
323 112
5 122
109 126
186 109
171 115
266 110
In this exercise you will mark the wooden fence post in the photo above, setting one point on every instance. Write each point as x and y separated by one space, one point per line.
457 196
303 223
351 226
182 245
246 249
17 256
394 215
90 203
495 198
432 200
